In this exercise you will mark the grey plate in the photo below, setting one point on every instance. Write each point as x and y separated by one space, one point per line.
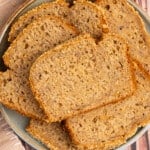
18 122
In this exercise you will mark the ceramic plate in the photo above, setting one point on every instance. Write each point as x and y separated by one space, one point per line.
18 122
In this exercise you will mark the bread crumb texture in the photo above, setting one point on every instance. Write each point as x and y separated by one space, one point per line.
110 126
79 75
38 37
122 19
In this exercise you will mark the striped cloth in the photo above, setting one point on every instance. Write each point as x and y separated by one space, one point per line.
145 4
142 144
8 139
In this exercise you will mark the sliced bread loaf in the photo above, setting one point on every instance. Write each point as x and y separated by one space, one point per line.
79 75
86 16
38 37
57 8
52 135
124 20
111 125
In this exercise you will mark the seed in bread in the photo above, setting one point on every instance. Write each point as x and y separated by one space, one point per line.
111 125
79 75
122 19
38 37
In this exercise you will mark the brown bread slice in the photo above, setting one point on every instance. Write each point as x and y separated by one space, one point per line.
125 21
52 135
38 37
12 95
111 125
86 16
79 75
57 8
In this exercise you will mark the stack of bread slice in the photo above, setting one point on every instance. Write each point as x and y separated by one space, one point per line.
80 71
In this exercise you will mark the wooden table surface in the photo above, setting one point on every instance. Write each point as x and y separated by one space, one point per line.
8 140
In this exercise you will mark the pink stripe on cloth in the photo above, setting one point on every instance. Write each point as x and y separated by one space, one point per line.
142 144
145 4
148 6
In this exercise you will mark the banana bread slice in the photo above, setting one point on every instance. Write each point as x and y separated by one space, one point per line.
38 37
122 19
110 126
58 8
87 18
12 95
79 75
53 135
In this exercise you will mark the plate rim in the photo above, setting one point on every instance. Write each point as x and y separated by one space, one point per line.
2 108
